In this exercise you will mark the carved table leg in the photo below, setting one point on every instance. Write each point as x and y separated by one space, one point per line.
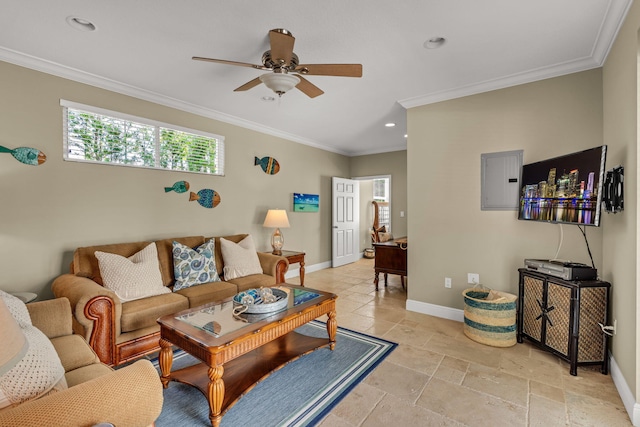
375 280
302 273
165 360
216 394
332 328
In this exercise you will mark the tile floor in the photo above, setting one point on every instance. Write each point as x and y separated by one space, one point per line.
438 377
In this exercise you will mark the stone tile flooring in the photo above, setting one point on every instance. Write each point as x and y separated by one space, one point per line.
439 377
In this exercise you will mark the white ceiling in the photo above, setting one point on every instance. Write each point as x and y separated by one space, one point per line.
144 48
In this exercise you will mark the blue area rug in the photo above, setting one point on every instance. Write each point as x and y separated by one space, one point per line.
300 394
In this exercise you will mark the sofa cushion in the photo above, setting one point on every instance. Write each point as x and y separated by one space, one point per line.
194 266
253 281
240 259
142 313
38 372
135 277
209 292
86 373
74 352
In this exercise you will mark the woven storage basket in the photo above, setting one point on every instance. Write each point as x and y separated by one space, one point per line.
490 319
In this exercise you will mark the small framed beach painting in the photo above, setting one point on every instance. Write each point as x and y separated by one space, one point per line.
306 202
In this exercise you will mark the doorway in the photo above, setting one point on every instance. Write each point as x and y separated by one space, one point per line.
378 188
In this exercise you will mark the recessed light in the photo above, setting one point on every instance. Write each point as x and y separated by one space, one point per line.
406 136
80 23
434 42
390 125
268 98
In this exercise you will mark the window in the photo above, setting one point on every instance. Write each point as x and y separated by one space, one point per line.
101 136
381 189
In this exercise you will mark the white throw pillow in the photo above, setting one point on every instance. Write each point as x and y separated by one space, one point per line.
240 259
135 277
39 372
17 308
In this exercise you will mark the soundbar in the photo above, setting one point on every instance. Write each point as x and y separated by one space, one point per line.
563 270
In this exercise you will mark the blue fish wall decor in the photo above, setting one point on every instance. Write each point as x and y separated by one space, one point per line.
207 198
268 164
178 187
26 155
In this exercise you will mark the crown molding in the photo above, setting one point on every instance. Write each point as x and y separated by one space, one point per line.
501 83
378 151
58 70
612 22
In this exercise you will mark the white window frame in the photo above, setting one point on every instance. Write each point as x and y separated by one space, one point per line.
220 157
388 189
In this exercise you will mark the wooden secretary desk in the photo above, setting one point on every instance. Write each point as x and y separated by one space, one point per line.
391 258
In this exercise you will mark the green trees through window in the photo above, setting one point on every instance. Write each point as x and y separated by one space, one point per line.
95 137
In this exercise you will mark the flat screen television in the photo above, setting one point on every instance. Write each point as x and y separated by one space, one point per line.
565 189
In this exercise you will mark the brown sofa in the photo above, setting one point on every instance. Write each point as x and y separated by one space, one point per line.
122 331
131 396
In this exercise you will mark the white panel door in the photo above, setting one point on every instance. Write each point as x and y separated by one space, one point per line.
346 221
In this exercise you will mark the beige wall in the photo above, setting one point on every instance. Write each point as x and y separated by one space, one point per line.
395 165
49 210
450 235
620 231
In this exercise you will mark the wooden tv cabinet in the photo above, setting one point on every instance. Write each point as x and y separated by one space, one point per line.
562 317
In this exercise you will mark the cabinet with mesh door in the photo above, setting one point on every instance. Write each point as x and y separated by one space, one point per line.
562 317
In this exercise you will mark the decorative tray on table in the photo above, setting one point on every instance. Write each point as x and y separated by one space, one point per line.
260 301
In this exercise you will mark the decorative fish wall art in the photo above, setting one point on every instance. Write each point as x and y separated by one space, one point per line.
178 187
26 155
268 164
206 198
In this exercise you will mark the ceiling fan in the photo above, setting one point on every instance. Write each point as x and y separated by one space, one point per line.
281 61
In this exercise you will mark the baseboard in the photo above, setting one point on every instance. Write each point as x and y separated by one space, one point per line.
435 310
627 396
295 272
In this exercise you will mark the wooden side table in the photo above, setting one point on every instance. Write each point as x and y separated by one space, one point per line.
296 257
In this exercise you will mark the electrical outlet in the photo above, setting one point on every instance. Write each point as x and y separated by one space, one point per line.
447 282
473 278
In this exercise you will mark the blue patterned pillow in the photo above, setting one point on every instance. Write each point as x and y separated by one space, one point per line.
194 267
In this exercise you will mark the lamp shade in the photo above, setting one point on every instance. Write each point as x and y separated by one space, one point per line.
14 344
279 82
276 218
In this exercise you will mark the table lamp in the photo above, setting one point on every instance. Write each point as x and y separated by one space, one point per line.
276 218
14 344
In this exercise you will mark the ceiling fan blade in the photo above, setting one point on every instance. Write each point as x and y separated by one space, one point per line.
341 70
224 61
281 46
308 88
250 84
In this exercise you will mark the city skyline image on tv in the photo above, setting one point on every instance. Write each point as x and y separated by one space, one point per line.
565 189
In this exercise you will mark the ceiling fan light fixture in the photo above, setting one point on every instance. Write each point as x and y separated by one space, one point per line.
280 83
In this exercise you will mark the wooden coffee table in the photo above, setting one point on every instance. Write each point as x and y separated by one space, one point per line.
235 354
